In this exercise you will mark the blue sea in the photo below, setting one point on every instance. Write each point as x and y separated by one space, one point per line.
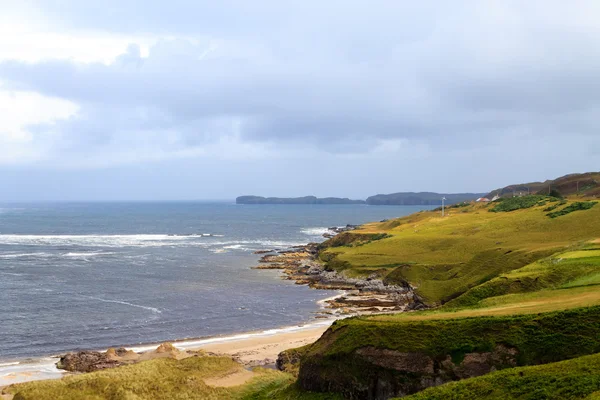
95 275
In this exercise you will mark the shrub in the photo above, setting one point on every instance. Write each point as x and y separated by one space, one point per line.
517 203
577 206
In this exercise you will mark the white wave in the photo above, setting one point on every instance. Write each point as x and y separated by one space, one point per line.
29 370
8 364
11 274
19 255
141 240
86 254
319 231
236 247
154 310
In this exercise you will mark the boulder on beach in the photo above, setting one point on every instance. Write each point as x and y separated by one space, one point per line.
86 361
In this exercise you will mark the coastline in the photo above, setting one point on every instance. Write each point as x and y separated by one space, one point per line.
249 348
298 263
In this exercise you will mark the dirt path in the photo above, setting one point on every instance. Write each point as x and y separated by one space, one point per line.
235 378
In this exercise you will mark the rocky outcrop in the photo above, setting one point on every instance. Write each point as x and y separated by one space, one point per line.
389 373
90 361
384 357
289 360
87 361
362 296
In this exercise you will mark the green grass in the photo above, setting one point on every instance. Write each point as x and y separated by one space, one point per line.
569 269
445 257
334 363
544 337
566 380
518 203
166 379
577 206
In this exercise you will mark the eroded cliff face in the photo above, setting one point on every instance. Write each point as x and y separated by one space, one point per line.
380 374
381 357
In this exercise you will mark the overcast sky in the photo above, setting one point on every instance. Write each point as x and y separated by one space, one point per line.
187 99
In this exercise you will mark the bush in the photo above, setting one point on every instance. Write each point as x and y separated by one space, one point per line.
555 193
517 203
577 206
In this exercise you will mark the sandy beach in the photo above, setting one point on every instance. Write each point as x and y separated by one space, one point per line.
260 348
252 348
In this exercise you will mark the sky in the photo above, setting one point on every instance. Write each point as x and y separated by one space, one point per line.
188 99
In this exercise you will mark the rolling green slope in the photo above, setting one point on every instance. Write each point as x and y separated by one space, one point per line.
445 257
566 380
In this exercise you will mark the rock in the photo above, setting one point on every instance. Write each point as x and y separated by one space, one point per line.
289 360
385 373
166 348
417 363
87 361
264 251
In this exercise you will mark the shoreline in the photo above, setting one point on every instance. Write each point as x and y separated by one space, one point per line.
259 347
249 348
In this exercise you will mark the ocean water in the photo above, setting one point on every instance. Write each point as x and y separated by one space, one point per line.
95 275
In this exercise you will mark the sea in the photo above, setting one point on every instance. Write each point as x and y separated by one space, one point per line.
96 275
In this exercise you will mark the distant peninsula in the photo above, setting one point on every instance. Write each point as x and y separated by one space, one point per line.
420 198
295 200
402 199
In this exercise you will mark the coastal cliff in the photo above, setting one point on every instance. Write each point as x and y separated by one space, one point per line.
398 199
370 359
420 198
295 200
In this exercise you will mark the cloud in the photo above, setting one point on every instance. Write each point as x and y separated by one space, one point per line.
148 82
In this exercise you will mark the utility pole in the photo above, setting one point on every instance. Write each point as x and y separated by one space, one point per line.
443 199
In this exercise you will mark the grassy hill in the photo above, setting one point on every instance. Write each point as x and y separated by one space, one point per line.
420 198
566 380
167 379
444 257
587 184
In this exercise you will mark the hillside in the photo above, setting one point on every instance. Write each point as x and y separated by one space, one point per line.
583 185
572 379
444 257
420 198
295 200
515 282
402 198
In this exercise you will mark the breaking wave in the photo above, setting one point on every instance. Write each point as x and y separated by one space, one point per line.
319 231
143 240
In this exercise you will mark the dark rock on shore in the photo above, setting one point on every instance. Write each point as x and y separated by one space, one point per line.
86 361
264 251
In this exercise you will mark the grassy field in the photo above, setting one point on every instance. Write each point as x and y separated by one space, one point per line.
562 270
504 273
445 257
167 379
566 380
